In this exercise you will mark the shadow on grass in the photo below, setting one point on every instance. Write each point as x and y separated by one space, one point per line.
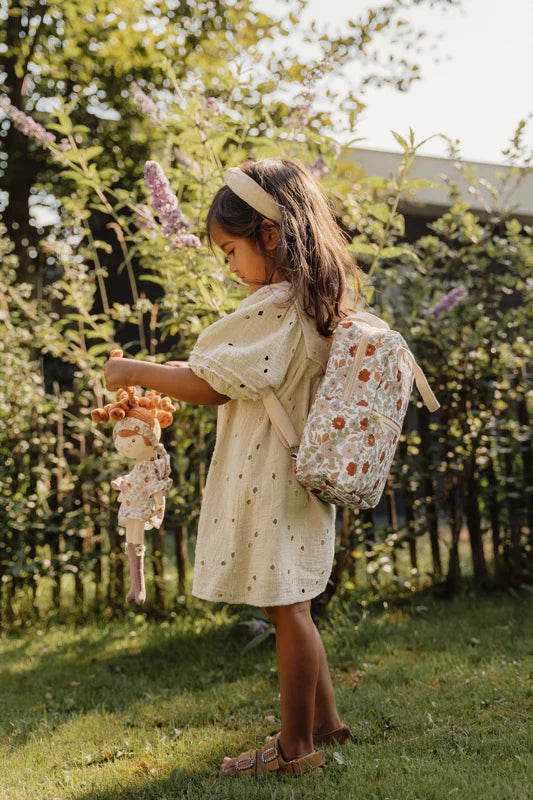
112 673
318 785
205 655
192 786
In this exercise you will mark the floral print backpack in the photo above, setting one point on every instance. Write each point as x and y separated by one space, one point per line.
354 424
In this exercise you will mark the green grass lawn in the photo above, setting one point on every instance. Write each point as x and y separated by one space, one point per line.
439 696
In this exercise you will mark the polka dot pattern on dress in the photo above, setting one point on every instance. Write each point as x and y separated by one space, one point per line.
272 560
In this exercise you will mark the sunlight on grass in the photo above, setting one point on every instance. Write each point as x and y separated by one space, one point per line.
438 696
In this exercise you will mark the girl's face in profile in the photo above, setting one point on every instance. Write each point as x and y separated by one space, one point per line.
242 256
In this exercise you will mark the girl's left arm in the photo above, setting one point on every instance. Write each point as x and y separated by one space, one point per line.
179 383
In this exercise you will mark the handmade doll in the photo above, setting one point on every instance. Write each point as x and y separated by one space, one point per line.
136 434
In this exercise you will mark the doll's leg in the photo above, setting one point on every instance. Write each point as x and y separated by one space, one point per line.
130 544
138 539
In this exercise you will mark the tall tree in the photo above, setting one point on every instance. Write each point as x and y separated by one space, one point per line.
88 56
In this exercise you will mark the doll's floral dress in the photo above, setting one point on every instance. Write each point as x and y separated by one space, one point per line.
137 489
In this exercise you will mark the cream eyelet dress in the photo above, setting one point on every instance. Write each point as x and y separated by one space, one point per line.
262 539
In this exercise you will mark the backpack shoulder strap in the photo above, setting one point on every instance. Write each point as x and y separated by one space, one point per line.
421 381
370 319
281 423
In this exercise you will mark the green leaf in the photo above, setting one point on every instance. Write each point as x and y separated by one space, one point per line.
375 181
400 140
75 317
153 279
513 226
92 152
65 121
70 173
398 222
381 211
423 183
368 293
80 129
395 252
56 126
96 349
256 640
361 247
77 156
175 775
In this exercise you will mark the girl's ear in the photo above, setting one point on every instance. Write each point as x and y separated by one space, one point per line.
270 234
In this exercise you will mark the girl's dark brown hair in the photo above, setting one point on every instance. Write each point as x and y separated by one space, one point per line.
311 252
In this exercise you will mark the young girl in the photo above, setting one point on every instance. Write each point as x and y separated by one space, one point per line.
263 539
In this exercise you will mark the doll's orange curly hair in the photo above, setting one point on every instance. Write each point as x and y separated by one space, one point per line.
151 408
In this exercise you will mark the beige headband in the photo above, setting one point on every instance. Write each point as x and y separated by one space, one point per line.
249 190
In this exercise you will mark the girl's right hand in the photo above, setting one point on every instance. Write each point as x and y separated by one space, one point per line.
117 372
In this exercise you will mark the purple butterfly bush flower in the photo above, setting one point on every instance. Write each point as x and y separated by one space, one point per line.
187 240
144 103
182 158
448 301
164 200
299 114
335 146
212 105
63 147
258 625
166 206
143 217
319 168
187 162
25 124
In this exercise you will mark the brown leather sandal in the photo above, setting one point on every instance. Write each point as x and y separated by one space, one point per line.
268 759
339 735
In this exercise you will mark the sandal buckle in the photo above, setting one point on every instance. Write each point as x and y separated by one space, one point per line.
275 753
242 760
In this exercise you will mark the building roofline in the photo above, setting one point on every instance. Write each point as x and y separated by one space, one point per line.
431 202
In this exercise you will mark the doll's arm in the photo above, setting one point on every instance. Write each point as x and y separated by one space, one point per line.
118 483
159 503
158 499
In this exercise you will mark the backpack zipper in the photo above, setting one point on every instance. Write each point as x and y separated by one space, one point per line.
356 363
381 418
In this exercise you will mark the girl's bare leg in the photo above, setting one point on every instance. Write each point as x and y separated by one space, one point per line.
326 716
298 665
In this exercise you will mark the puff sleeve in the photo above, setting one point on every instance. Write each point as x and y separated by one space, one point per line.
246 354
118 483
